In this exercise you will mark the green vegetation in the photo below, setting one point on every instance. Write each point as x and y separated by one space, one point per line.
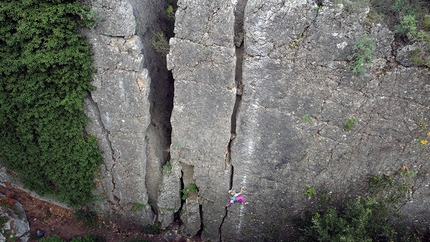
270 232
3 221
89 217
160 43
90 17
152 229
310 192
306 118
349 124
138 207
422 124
53 238
351 6
138 240
169 11
172 6
362 57
160 38
45 73
167 168
191 188
410 20
374 217
87 238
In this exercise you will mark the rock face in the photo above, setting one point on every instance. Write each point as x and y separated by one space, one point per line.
119 109
15 221
202 59
262 96
289 123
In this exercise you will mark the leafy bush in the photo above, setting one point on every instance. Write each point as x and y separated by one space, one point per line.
408 26
53 238
410 21
152 228
3 221
45 73
362 54
190 188
172 6
138 240
160 43
89 238
371 218
138 207
349 124
87 216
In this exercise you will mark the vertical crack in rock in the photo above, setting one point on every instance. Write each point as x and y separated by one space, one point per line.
191 208
181 180
201 219
106 135
226 208
239 13
158 134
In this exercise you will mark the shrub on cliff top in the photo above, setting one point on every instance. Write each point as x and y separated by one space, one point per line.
45 73
374 217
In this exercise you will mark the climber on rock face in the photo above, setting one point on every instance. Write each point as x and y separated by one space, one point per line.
233 196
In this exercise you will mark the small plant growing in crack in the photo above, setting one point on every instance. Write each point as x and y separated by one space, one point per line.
349 124
138 207
408 173
191 188
422 142
152 228
362 55
167 168
172 5
310 192
306 118
160 43
422 124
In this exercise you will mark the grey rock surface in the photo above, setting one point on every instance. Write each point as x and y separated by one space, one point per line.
17 225
119 109
262 93
191 217
116 17
168 201
290 130
202 59
295 66
414 55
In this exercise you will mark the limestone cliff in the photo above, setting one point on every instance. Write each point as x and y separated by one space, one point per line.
258 97
121 109
285 131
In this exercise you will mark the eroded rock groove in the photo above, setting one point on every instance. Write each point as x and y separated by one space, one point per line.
158 136
239 12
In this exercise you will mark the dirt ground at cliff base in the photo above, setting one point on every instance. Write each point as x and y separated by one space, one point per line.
56 220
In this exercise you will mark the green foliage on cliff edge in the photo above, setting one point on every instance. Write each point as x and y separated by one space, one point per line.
45 73
410 21
373 217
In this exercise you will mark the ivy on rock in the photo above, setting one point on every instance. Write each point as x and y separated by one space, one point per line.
45 73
